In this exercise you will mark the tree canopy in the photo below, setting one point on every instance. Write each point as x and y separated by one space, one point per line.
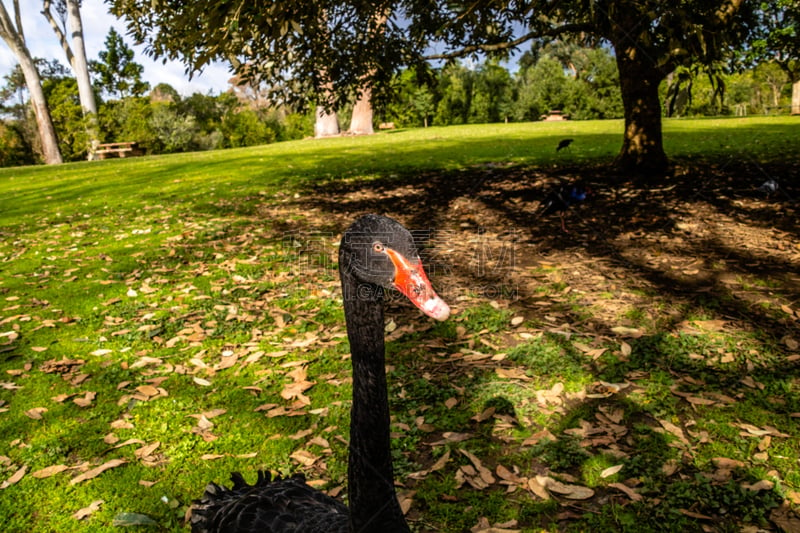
329 48
116 71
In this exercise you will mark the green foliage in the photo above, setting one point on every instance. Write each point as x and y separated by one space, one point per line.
777 37
65 111
563 454
173 132
456 84
14 151
245 127
128 120
116 71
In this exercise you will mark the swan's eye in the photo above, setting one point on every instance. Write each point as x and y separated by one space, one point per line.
378 247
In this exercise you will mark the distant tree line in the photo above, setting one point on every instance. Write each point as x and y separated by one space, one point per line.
581 82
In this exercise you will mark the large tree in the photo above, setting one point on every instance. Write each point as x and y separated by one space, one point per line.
340 44
650 39
12 33
324 50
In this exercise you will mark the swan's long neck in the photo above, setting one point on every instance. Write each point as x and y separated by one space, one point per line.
373 501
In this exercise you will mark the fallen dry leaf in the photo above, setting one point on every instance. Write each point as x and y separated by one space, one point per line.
724 462
610 471
538 489
121 424
94 472
15 478
484 473
692 514
675 430
406 500
485 415
573 492
87 511
629 492
36 412
146 451
49 471
764 484
483 526
441 462
127 443
86 400
785 518
304 458
148 390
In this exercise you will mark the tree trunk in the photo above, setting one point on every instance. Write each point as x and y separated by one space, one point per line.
327 123
642 145
14 38
79 63
76 56
47 132
796 97
361 122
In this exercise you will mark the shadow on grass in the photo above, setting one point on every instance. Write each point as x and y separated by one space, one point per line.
701 276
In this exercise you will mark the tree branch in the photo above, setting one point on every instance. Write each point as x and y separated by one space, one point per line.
18 20
726 12
58 31
494 47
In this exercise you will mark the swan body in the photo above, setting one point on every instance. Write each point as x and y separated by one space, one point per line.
376 254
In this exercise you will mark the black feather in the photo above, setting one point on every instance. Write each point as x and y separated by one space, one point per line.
267 506
563 143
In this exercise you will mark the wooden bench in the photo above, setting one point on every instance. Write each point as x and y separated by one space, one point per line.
554 114
125 149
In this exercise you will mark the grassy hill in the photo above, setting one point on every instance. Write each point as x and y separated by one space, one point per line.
172 319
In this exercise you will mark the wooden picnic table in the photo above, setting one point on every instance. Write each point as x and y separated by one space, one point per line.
122 149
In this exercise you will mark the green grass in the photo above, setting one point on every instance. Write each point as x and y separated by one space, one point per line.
156 271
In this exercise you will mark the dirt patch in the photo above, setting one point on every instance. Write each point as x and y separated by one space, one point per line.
657 249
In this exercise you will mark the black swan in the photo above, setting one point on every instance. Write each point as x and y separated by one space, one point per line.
376 253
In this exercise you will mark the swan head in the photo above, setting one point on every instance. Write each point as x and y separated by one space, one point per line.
378 250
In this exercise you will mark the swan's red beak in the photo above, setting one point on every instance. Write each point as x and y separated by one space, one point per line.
410 279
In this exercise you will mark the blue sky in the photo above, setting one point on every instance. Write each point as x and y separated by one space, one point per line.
42 42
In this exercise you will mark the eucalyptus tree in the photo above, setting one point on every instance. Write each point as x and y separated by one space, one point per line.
67 21
13 34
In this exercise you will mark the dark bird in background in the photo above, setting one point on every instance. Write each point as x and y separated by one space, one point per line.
376 254
563 143
769 187
560 200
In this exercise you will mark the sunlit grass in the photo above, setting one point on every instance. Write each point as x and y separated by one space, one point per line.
155 271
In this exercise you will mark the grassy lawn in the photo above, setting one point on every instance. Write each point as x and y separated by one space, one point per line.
167 320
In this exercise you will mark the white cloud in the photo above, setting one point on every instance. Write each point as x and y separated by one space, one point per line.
42 42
